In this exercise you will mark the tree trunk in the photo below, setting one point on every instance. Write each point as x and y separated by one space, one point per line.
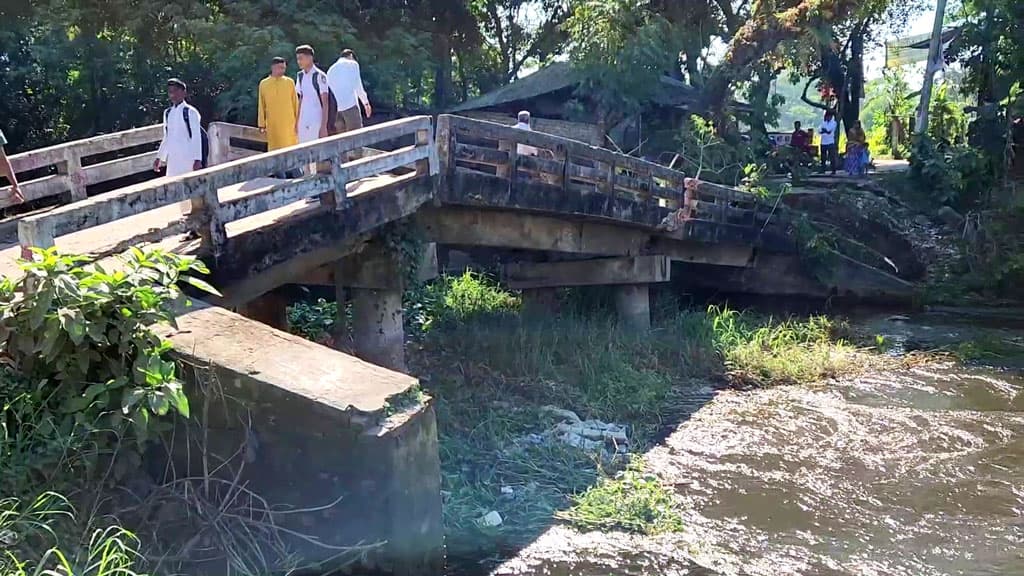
760 93
443 71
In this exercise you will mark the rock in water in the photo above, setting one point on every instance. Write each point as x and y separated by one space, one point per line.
490 520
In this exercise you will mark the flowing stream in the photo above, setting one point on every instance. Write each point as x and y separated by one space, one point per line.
912 472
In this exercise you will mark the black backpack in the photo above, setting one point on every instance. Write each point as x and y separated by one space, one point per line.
332 104
203 136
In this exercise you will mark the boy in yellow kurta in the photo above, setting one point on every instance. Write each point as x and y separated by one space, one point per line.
278 107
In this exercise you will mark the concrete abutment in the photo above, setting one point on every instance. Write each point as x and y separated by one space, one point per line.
305 428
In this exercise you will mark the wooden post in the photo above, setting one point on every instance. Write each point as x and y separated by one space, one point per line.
505 171
513 167
205 218
608 185
72 169
562 156
445 138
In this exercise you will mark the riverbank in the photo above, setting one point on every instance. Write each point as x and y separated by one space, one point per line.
543 420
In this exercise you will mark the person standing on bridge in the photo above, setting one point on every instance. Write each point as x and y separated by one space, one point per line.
7 171
278 107
182 147
346 84
312 90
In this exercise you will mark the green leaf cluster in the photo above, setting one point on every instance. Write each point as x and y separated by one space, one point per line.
81 335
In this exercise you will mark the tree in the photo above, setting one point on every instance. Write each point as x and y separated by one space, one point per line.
621 48
520 30
831 35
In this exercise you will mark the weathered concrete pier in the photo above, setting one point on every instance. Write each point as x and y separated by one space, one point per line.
573 215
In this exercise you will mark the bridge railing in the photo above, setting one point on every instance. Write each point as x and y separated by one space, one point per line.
470 145
209 214
71 167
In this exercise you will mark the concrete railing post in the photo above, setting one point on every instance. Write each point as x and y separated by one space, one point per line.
72 169
220 143
204 218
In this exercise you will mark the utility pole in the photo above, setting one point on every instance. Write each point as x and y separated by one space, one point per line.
934 55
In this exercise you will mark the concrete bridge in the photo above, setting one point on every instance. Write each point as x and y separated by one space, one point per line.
574 215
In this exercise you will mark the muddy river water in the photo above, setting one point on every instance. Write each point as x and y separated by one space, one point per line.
917 471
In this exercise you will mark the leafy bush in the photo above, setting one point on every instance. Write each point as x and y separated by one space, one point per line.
313 321
81 337
456 298
950 175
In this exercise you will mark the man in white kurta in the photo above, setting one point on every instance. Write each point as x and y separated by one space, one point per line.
180 151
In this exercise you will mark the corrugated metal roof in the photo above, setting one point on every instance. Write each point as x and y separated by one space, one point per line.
559 75
551 78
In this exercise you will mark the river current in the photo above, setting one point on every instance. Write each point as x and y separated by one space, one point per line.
916 472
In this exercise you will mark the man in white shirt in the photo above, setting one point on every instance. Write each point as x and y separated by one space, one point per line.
829 148
312 88
182 147
523 123
347 88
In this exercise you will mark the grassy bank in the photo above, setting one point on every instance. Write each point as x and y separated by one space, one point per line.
496 374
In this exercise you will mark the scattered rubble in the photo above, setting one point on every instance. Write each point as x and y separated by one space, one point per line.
591 436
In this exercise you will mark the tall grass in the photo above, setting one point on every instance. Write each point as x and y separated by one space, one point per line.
761 350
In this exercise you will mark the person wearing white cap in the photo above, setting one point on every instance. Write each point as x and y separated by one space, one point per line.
523 123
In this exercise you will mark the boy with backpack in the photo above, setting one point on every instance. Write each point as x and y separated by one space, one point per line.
311 87
185 146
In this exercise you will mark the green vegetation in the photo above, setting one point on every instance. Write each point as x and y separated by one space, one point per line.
313 320
494 374
86 384
633 501
784 352
988 348
32 545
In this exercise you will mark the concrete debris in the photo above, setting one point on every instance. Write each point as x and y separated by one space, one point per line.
490 520
591 436
561 414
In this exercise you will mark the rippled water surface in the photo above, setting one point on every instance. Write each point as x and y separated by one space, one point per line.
918 472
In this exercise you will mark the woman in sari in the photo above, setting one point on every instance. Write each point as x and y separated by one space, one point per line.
857 158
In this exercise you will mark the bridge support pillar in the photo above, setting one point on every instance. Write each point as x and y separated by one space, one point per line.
378 331
270 308
633 304
540 301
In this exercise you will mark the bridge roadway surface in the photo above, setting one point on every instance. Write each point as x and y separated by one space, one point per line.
113 238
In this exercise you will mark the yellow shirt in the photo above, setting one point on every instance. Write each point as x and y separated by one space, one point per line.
278 111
